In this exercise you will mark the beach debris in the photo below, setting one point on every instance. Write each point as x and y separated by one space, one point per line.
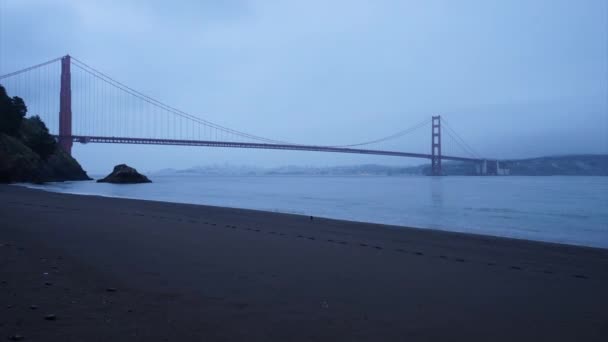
111 289
50 317
324 305
16 337
45 273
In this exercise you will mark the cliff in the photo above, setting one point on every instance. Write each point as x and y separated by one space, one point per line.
19 163
28 153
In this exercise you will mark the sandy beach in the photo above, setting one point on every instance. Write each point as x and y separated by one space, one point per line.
86 268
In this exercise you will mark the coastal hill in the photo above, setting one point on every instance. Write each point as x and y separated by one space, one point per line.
28 153
571 165
566 165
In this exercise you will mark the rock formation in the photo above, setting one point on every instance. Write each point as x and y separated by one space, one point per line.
124 174
19 163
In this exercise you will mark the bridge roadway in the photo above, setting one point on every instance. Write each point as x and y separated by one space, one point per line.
231 144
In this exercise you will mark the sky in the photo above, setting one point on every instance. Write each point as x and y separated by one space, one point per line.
514 78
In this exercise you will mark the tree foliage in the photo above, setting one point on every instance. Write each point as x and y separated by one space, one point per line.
35 135
12 112
31 131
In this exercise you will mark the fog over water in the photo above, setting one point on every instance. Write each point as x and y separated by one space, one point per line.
514 78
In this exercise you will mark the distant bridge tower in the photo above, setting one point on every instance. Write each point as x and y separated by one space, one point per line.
65 106
436 146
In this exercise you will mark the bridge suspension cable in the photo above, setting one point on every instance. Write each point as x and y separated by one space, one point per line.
459 141
105 111
15 73
105 78
392 136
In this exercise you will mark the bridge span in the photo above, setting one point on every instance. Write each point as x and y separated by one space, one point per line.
81 104
265 146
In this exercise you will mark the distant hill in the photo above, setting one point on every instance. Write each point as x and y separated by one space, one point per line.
567 165
572 165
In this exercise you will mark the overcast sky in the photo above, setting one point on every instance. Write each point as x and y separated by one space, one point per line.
515 78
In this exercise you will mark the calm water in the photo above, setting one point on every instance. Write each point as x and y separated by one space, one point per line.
570 210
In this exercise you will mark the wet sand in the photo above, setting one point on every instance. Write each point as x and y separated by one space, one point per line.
128 270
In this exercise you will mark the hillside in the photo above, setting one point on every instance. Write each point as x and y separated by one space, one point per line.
28 153
571 165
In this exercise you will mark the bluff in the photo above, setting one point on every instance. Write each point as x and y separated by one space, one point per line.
19 163
28 153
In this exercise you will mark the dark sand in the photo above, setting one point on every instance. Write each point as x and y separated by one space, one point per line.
197 273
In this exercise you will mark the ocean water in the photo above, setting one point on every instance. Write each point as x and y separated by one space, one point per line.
572 210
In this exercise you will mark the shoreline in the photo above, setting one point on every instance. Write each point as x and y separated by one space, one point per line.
120 269
387 225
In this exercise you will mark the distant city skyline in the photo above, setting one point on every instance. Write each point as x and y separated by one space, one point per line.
516 79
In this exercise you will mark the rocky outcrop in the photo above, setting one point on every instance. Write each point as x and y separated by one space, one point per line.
19 163
124 174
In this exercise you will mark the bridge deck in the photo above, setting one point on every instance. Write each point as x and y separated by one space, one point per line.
231 144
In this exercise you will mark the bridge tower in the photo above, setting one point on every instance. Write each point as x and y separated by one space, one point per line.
436 146
65 106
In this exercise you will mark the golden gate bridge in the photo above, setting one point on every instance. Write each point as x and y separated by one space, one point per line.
81 104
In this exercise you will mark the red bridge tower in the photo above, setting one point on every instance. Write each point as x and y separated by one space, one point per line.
65 106
436 146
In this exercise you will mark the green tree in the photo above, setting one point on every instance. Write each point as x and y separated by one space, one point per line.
12 112
35 135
